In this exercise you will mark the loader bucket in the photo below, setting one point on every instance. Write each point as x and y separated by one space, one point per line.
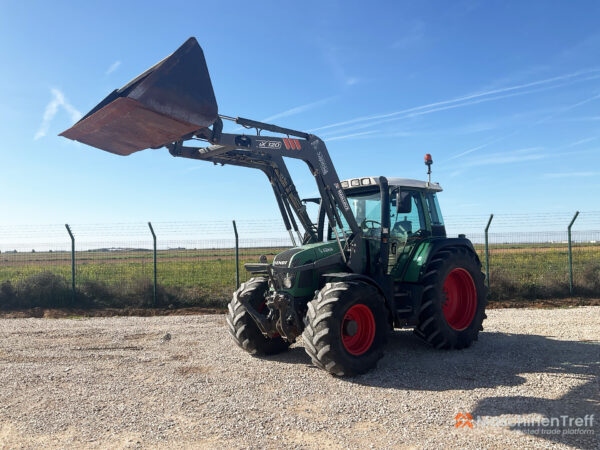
168 101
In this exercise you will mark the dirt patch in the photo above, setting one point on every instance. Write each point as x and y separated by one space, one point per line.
76 313
549 303
193 370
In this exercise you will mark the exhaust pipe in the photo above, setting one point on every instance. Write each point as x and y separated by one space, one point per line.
170 100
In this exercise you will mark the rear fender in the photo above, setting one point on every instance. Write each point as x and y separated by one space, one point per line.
440 244
424 253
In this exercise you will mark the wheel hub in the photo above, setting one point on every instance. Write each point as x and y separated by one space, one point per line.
351 327
461 299
358 329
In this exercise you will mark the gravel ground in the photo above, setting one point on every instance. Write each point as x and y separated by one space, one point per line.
179 381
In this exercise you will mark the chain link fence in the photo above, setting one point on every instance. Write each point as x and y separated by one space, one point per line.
114 264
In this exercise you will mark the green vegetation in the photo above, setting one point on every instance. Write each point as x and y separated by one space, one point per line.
542 272
207 277
123 278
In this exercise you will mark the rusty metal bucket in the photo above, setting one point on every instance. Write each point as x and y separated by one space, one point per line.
170 100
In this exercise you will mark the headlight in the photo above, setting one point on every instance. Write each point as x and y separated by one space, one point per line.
288 281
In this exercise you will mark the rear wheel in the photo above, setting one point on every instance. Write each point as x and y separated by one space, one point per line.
454 300
347 328
243 329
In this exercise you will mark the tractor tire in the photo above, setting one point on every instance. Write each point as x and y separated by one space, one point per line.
347 328
242 327
454 300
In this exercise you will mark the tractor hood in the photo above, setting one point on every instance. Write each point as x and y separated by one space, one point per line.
298 271
306 254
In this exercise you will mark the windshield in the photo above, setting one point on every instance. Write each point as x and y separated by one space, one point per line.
366 207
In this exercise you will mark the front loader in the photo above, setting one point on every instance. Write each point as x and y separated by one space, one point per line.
376 258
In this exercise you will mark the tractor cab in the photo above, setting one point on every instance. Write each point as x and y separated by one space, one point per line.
413 210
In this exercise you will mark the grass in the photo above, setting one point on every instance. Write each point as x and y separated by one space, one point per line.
123 279
542 272
117 279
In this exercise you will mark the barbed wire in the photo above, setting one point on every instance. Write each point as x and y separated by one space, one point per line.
552 225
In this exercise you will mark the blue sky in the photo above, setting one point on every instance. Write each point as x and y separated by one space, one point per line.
504 95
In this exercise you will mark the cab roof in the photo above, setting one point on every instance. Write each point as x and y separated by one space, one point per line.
392 182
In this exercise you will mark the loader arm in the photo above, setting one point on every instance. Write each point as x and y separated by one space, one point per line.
173 102
266 153
276 171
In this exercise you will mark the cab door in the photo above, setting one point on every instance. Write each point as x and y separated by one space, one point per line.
407 229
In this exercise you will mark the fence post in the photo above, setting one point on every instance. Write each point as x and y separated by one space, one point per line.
72 259
237 257
153 260
487 252
571 254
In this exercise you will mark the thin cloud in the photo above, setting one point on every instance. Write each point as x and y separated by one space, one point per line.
299 109
539 122
58 101
354 131
331 55
348 136
415 32
570 174
581 119
514 156
295 110
436 105
581 141
437 109
114 66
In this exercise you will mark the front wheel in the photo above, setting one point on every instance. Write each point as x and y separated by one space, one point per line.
347 328
454 300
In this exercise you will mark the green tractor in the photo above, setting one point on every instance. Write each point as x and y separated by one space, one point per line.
376 258
404 273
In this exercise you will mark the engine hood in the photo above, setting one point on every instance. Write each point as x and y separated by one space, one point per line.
305 254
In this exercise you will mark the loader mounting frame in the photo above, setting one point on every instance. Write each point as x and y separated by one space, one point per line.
266 153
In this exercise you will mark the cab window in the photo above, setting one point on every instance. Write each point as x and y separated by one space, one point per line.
366 207
434 209
404 225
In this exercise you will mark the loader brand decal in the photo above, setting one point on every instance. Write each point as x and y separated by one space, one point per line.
342 196
263 143
322 163
292 144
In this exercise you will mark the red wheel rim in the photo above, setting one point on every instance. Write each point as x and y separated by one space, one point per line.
461 299
358 329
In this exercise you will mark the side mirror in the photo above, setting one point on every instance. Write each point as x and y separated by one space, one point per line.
403 202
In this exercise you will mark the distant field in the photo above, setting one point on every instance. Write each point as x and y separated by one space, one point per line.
185 277
206 277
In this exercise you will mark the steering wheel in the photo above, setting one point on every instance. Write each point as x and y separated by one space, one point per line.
374 222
